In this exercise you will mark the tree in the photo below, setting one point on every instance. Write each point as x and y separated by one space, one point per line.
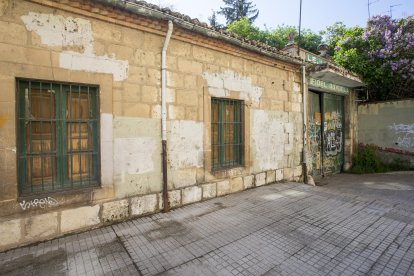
275 37
382 54
213 21
236 9
310 40
245 28
333 35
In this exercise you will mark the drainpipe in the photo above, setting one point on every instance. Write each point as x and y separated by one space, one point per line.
305 125
164 117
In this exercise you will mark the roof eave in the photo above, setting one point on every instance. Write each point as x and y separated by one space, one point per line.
147 11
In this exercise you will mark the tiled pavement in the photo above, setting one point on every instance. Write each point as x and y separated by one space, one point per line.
280 229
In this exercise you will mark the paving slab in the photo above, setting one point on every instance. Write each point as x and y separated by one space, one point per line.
353 225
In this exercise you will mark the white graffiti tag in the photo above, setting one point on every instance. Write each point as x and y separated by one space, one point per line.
404 135
402 128
41 203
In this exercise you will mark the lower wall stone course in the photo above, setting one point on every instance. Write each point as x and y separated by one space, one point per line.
270 177
209 190
79 218
279 175
144 204
260 179
298 171
191 194
174 198
248 181
223 188
236 184
10 232
287 174
115 210
39 226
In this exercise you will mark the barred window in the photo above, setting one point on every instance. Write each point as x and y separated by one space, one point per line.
226 133
58 135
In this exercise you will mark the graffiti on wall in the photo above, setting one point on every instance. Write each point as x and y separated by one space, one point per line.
315 143
332 142
332 129
41 203
404 135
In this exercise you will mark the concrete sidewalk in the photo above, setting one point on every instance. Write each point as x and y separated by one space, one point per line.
354 225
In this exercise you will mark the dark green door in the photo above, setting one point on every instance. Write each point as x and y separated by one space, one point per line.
333 133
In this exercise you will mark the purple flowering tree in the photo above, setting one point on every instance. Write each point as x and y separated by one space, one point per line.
382 54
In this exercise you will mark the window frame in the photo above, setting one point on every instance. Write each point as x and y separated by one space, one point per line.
238 150
60 153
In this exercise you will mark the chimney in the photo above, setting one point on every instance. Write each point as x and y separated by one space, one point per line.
323 50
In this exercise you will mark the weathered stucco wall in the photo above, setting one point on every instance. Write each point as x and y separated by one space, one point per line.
51 44
390 126
351 128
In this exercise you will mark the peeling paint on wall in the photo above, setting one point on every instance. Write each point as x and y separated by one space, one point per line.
186 144
107 152
134 155
267 139
92 63
56 30
221 84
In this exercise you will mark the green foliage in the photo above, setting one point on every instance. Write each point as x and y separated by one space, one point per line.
382 54
310 41
275 37
352 53
368 161
245 28
236 9
333 34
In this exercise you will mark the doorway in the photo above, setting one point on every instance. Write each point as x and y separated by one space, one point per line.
325 133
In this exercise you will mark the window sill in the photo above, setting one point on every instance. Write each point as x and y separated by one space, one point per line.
228 171
60 193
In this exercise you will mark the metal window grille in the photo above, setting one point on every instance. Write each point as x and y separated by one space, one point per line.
58 136
226 133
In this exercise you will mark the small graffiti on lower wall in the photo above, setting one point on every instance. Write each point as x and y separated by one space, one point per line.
39 203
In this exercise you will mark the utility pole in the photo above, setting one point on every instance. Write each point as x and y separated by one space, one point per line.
369 4
300 23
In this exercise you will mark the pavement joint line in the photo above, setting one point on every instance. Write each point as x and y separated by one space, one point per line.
384 252
119 239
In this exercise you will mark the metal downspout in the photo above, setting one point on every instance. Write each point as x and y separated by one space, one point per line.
305 125
164 117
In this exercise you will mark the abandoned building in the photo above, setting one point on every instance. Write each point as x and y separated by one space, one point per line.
108 109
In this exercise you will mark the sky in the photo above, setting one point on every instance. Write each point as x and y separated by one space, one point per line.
316 14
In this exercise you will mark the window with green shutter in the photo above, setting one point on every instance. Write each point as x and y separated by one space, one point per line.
226 133
58 135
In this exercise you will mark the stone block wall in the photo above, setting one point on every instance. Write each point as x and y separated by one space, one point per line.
80 43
